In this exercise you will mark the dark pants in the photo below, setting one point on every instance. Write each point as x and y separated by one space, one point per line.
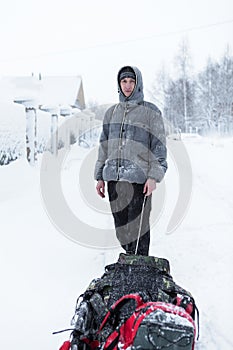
126 201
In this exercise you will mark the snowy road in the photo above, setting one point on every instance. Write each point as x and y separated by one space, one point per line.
42 272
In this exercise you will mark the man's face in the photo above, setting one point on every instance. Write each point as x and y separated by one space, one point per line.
127 86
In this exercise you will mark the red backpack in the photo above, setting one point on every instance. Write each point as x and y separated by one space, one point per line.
126 334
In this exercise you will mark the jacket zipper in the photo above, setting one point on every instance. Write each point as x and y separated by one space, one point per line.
120 141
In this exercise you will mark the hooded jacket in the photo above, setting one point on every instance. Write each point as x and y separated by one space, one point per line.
132 143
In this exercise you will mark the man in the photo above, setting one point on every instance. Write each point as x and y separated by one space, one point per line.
132 159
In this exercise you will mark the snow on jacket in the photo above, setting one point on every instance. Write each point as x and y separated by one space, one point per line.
132 143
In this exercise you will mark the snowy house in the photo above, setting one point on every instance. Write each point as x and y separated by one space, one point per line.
65 93
47 90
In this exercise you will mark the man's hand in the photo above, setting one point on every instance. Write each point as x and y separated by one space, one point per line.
149 187
100 188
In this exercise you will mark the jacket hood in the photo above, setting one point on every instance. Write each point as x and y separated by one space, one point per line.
137 94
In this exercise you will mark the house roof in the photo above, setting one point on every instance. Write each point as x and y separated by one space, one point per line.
47 90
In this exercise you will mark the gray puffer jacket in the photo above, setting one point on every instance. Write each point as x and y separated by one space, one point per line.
132 143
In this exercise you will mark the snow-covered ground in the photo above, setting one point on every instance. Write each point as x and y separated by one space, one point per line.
43 272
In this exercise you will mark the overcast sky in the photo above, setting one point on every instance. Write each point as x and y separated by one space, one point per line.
95 38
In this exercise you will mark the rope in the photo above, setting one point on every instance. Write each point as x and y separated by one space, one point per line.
140 224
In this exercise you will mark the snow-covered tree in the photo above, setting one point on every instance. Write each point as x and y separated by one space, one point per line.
160 85
180 114
207 95
203 102
183 66
215 94
226 92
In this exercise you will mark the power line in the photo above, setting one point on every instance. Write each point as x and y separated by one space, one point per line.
91 47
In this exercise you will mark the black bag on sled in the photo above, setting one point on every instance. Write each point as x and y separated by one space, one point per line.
134 305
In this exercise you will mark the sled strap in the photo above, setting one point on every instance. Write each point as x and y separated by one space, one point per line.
92 344
198 322
112 341
66 345
63 330
119 304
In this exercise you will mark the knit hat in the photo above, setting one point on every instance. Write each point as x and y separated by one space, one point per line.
127 72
